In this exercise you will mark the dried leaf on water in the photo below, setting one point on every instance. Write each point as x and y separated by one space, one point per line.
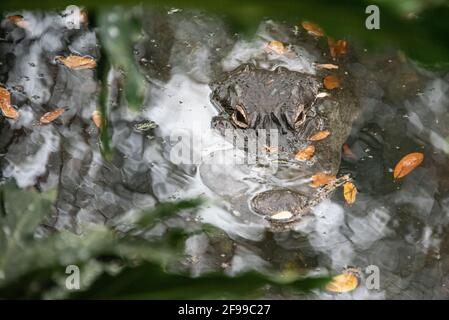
51 116
97 118
322 94
306 153
321 179
328 66
282 215
77 62
407 164
312 28
277 47
18 20
5 104
342 283
349 192
331 82
320 135
337 49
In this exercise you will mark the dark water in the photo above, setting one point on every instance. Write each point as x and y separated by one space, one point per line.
400 227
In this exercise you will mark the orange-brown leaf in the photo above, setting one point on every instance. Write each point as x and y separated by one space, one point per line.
51 116
320 135
5 104
97 118
349 192
337 49
407 164
344 282
277 47
77 62
18 20
321 179
313 29
331 82
306 153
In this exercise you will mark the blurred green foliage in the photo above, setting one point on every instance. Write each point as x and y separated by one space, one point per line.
113 264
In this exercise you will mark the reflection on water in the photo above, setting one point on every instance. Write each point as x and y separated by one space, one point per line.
401 227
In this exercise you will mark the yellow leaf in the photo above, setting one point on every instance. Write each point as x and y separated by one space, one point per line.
344 282
321 179
312 28
77 62
349 192
97 118
5 104
320 135
407 164
305 154
51 116
331 82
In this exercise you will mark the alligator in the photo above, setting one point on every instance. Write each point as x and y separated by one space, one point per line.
250 98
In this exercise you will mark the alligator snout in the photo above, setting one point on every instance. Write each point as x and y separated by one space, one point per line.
280 204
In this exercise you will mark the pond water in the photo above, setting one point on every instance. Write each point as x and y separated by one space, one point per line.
401 227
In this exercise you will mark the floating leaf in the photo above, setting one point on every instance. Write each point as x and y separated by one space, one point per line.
51 116
328 66
5 104
331 82
97 118
18 20
349 192
407 164
337 49
277 47
322 94
77 62
282 215
344 282
306 153
321 179
320 135
313 29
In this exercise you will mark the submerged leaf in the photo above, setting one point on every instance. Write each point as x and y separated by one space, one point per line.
337 49
5 104
321 179
349 192
18 20
407 164
51 116
277 47
306 153
77 62
320 135
331 82
313 29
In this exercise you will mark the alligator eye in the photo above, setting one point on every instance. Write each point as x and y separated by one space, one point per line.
300 118
239 117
